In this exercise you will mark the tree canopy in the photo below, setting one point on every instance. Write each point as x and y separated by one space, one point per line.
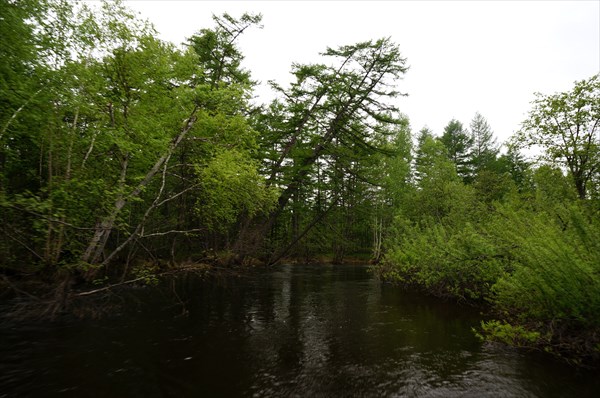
565 126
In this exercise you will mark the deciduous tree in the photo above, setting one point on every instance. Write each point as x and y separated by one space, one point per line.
566 127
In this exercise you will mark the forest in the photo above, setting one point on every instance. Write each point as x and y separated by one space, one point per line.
123 157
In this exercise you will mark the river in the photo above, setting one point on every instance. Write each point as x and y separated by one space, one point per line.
293 330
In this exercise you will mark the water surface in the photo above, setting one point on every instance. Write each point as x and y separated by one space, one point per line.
302 330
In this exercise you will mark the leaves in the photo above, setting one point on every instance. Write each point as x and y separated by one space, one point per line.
232 186
565 126
95 133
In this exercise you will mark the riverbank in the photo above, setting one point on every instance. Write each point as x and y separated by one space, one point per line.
35 295
16 283
571 342
39 297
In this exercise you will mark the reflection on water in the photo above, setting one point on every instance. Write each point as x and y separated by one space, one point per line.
293 330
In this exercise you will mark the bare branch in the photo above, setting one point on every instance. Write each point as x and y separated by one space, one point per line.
173 232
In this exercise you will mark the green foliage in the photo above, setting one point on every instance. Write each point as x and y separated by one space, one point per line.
552 188
18 60
442 239
111 139
521 236
217 53
459 145
459 261
565 126
97 108
485 148
231 187
516 237
535 258
513 164
321 143
440 192
396 168
493 187
508 334
431 159
147 273
556 264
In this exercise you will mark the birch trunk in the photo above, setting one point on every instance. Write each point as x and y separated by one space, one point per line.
95 248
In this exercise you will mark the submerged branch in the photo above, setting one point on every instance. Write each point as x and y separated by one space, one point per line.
105 288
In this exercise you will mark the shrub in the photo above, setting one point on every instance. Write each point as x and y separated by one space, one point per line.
557 269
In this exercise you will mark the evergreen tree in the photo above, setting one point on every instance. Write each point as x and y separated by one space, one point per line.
422 160
330 113
217 50
459 146
513 162
484 146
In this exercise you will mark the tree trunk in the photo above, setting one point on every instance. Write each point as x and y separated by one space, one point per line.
104 227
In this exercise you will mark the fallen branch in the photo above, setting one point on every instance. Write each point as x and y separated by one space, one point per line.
105 288
187 231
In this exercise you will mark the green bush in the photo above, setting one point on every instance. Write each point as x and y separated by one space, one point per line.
462 262
557 269
508 334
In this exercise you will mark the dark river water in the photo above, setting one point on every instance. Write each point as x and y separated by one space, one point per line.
302 330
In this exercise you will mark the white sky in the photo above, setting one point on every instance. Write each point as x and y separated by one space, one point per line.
464 56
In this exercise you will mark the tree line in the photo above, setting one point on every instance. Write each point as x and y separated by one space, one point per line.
121 155
121 152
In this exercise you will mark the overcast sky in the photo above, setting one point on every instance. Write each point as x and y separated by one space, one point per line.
464 57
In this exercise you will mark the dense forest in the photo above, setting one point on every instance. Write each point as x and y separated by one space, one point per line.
123 156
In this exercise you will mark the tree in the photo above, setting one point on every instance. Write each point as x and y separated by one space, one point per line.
422 158
513 162
226 138
217 50
147 112
390 198
485 148
438 184
566 127
18 61
327 110
459 145
209 91
124 126
430 152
